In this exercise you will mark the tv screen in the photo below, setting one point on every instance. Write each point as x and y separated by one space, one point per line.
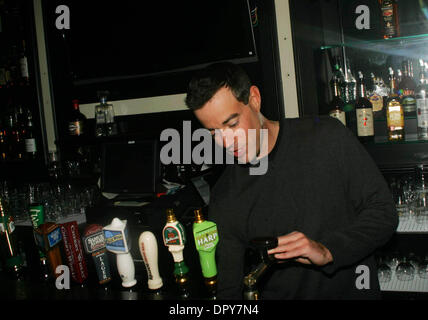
130 167
112 40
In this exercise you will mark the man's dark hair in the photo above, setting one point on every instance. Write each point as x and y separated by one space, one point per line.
209 80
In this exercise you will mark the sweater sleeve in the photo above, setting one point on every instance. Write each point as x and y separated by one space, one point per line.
374 217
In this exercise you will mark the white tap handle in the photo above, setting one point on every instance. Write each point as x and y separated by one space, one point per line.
126 269
177 252
149 251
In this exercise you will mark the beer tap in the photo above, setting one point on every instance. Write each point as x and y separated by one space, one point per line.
48 236
149 252
95 245
174 237
118 242
261 246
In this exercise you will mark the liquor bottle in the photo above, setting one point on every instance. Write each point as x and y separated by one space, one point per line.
8 242
376 96
77 120
30 138
364 113
389 19
337 104
11 137
3 145
421 94
23 62
348 89
19 134
111 125
394 115
392 81
426 72
100 118
407 88
105 117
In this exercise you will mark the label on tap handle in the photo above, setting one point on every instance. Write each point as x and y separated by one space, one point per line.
74 251
114 241
174 235
206 239
94 243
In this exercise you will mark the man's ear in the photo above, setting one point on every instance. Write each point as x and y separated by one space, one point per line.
255 99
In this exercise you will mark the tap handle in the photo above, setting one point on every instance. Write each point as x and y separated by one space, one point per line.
265 242
262 245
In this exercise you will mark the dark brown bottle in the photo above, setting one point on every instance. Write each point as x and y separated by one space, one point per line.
389 19
77 120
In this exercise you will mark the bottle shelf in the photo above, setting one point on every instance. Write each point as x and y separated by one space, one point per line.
407 43
79 218
418 284
410 138
411 226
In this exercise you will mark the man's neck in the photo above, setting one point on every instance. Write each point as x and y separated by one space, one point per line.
270 138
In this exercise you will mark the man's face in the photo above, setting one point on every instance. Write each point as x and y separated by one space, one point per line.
233 119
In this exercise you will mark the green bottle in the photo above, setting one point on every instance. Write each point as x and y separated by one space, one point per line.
206 240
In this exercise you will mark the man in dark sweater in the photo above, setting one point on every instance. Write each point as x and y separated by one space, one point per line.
322 196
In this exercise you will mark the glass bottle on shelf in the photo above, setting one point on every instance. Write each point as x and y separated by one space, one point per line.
348 94
30 138
76 123
11 137
336 104
364 113
111 124
100 118
392 81
105 117
3 145
19 133
421 94
399 76
426 72
394 114
23 62
376 96
407 88
389 19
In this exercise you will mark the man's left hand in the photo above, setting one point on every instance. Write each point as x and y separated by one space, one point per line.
299 247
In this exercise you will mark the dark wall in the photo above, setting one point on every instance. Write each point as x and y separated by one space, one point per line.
265 73
314 23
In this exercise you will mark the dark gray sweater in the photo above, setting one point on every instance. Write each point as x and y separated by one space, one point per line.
322 182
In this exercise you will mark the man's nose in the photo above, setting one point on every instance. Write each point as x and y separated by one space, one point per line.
229 139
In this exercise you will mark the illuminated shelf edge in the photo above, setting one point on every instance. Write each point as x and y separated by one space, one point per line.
411 226
416 285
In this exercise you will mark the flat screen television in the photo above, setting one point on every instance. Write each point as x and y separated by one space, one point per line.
117 40
130 168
